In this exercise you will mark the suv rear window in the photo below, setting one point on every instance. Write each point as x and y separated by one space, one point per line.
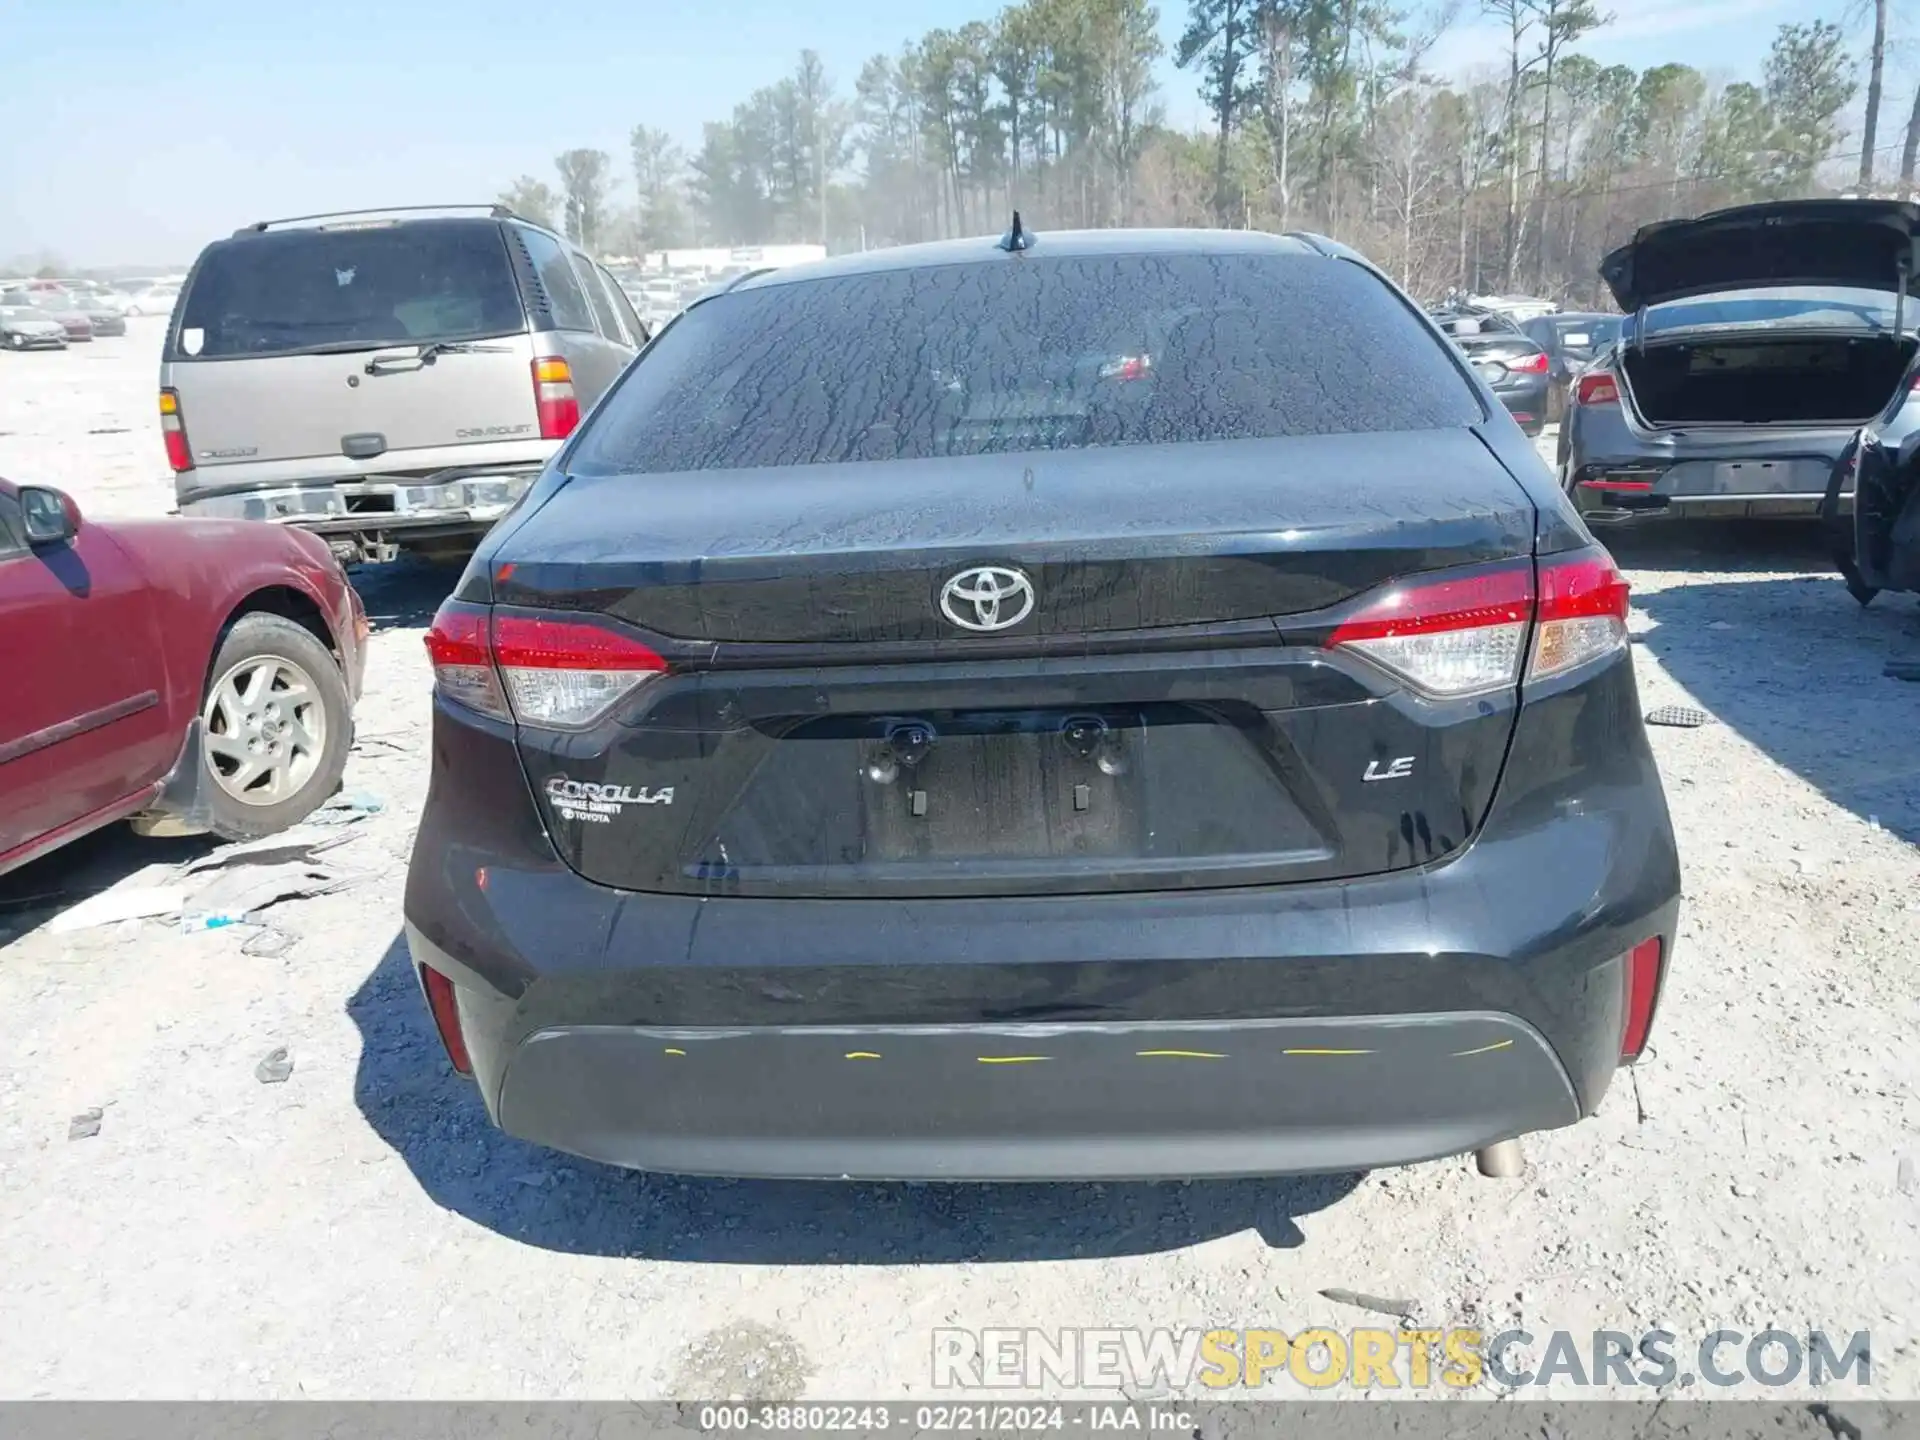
1027 354
286 291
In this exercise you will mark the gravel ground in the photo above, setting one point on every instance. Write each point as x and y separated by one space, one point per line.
358 1231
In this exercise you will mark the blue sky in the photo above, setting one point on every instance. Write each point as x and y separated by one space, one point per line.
137 131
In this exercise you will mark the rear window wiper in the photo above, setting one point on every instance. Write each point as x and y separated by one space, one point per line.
430 351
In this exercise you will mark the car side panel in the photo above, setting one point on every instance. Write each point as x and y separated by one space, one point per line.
84 716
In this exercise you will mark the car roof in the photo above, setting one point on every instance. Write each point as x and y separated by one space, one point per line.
1047 244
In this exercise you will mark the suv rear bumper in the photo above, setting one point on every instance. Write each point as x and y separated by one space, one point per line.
1427 1011
367 516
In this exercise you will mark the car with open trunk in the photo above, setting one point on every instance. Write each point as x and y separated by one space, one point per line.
1761 342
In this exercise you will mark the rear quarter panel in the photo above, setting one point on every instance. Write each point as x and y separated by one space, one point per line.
201 572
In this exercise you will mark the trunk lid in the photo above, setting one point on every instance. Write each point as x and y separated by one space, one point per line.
1861 244
1163 715
859 553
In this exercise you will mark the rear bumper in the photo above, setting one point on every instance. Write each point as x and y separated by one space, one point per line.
1527 404
1620 474
463 502
1484 994
1036 1102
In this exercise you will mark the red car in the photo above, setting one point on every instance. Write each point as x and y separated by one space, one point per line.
189 675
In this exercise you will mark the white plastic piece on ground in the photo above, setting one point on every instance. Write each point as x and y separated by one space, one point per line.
111 905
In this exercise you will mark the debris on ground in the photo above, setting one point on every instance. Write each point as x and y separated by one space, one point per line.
85 1125
268 943
345 809
392 744
210 920
1685 717
244 892
274 1067
1379 1304
131 903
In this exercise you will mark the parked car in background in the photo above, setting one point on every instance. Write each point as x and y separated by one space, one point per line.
1769 337
1516 308
1516 367
57 306
1069 822
101 294
28 327
102 318
186 674
390 380
153 300
1571 340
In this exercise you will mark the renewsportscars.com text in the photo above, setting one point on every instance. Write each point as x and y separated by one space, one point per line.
1456 1358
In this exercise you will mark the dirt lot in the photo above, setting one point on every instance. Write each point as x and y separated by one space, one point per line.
358 1231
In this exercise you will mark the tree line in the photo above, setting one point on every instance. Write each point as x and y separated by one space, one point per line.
1323 115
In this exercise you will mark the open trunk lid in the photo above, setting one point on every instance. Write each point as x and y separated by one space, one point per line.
1861 244
1158 712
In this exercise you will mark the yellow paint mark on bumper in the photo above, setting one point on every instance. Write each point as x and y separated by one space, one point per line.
1179 1055
863 1054
672 1051
1326 1052
1011 1059
1484 1049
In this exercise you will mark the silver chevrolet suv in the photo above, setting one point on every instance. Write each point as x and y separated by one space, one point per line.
390 379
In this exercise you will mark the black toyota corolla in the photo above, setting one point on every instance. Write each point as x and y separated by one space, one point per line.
1126 704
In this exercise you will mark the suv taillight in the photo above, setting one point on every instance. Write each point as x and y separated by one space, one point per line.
1465 634
1597 388
173 430
553 397
549 673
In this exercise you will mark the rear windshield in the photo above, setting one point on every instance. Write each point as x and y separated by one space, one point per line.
1028 354
293 290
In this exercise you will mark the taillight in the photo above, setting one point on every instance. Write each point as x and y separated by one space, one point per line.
1466 634
1598 388
445 1008
462 656
1582 613
552 674
173 430
1529 364
1643 985
561 674
553 397
1448 637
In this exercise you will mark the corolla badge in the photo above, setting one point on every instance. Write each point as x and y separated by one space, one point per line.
582 800
987 597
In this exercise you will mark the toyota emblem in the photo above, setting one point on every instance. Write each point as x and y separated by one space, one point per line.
987 597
